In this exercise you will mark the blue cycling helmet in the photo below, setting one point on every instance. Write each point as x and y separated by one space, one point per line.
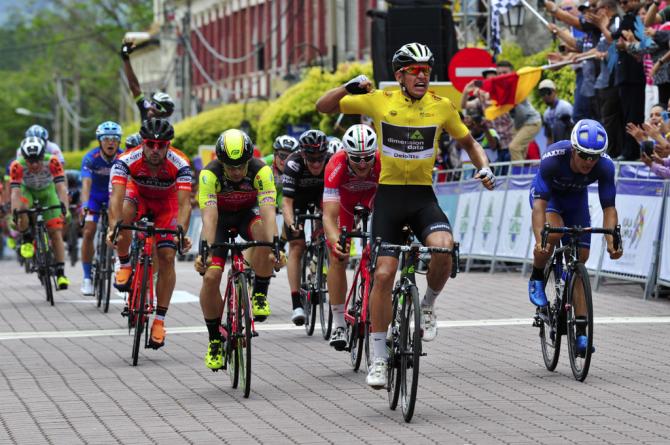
108 128
589 136
37 131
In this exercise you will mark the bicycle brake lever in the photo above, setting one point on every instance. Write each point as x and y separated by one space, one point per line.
617 237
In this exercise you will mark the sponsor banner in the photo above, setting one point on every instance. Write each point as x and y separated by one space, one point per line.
596 213
516 231
487 224
664 271
468 204
639 205
447 197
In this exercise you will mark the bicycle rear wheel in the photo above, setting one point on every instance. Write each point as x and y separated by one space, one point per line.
550 337
410 350
580 361
106 274
393 369
139 311
307 295
326 320
243 334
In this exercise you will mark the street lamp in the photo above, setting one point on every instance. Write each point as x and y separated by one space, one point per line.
514 17
26 112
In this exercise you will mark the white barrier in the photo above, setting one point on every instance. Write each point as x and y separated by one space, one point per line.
516 232
487 224
664 268
463 226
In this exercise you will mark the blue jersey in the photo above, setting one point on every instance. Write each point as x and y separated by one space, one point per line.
96 167
556 178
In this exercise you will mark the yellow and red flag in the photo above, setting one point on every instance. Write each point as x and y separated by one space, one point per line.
508 90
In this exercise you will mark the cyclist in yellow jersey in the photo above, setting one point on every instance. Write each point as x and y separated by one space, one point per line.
408 123
235 191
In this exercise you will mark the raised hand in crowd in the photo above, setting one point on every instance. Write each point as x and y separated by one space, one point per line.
636 131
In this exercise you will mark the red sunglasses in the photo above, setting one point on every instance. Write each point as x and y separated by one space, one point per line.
153 144
414 70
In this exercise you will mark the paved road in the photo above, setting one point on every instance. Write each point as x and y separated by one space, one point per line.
65 375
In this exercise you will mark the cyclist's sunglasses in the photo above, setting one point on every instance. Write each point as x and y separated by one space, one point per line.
357 159
110 138
153 144
282 154
588 156
414 70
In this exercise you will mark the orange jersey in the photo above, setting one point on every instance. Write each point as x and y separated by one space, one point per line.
50 172
172 175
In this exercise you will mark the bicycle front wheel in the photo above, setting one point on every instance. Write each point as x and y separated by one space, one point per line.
393 369
550 337
243 334
354 329
106 275
44 264
325 311
307 293
580 324
139 311
410 352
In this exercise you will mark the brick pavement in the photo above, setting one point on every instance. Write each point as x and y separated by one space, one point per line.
478 384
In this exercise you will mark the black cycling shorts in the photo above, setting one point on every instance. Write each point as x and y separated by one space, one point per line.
414 205
240 221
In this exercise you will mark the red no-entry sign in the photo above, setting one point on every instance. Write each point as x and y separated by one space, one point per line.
467 64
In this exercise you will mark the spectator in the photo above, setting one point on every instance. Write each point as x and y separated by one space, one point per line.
527 121
659 166
557 116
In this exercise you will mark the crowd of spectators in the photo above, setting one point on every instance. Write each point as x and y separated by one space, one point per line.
621 49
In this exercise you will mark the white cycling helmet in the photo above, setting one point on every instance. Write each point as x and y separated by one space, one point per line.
360 140
32 148
589 136
334 145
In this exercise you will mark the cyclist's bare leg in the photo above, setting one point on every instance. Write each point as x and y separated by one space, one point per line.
440 264
296 250
578 295
87 241
56 237
125 237
337 279
540 259
260 256
380 296
210 293
166 277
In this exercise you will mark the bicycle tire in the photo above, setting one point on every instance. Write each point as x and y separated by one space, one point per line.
140 318
107 279
392 376
410 349
354 330
243 355
231 347
551 347
306 295
325 321
97 273
578 363
44 264
72 243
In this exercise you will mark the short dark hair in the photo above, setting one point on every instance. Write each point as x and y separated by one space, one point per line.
505 64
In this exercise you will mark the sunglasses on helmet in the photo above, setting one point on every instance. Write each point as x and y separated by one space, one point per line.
153 144
414 70
357 159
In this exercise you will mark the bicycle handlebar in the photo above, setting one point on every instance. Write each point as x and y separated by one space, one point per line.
150 229
415 247
204 248
577 230
39 209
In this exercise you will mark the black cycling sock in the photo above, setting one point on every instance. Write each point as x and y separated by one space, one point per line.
213 328
295 299
261 285
60 269
160 312
124 260
537 274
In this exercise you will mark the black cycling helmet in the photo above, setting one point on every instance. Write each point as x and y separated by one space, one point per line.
157 129
234 147
33 148
163 104
285 142
412 53
313 142
133 141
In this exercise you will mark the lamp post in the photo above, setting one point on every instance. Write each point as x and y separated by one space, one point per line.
291 77
514 17
26 112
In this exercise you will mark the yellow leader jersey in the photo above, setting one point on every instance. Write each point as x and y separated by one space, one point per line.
408 131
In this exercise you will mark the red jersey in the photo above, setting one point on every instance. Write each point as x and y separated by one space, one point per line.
342 185
172 175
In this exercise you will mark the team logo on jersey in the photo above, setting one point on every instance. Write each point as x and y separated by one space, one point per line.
416 136
393 113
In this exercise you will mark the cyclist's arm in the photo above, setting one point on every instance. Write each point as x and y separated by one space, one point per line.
184 214
61 191
133 83
116 203
539 218
331 211
264 183
269 218
329 103
610 221
475 151
287 210
85 191
210 218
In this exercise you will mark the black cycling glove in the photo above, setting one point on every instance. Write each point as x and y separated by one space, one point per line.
354 87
